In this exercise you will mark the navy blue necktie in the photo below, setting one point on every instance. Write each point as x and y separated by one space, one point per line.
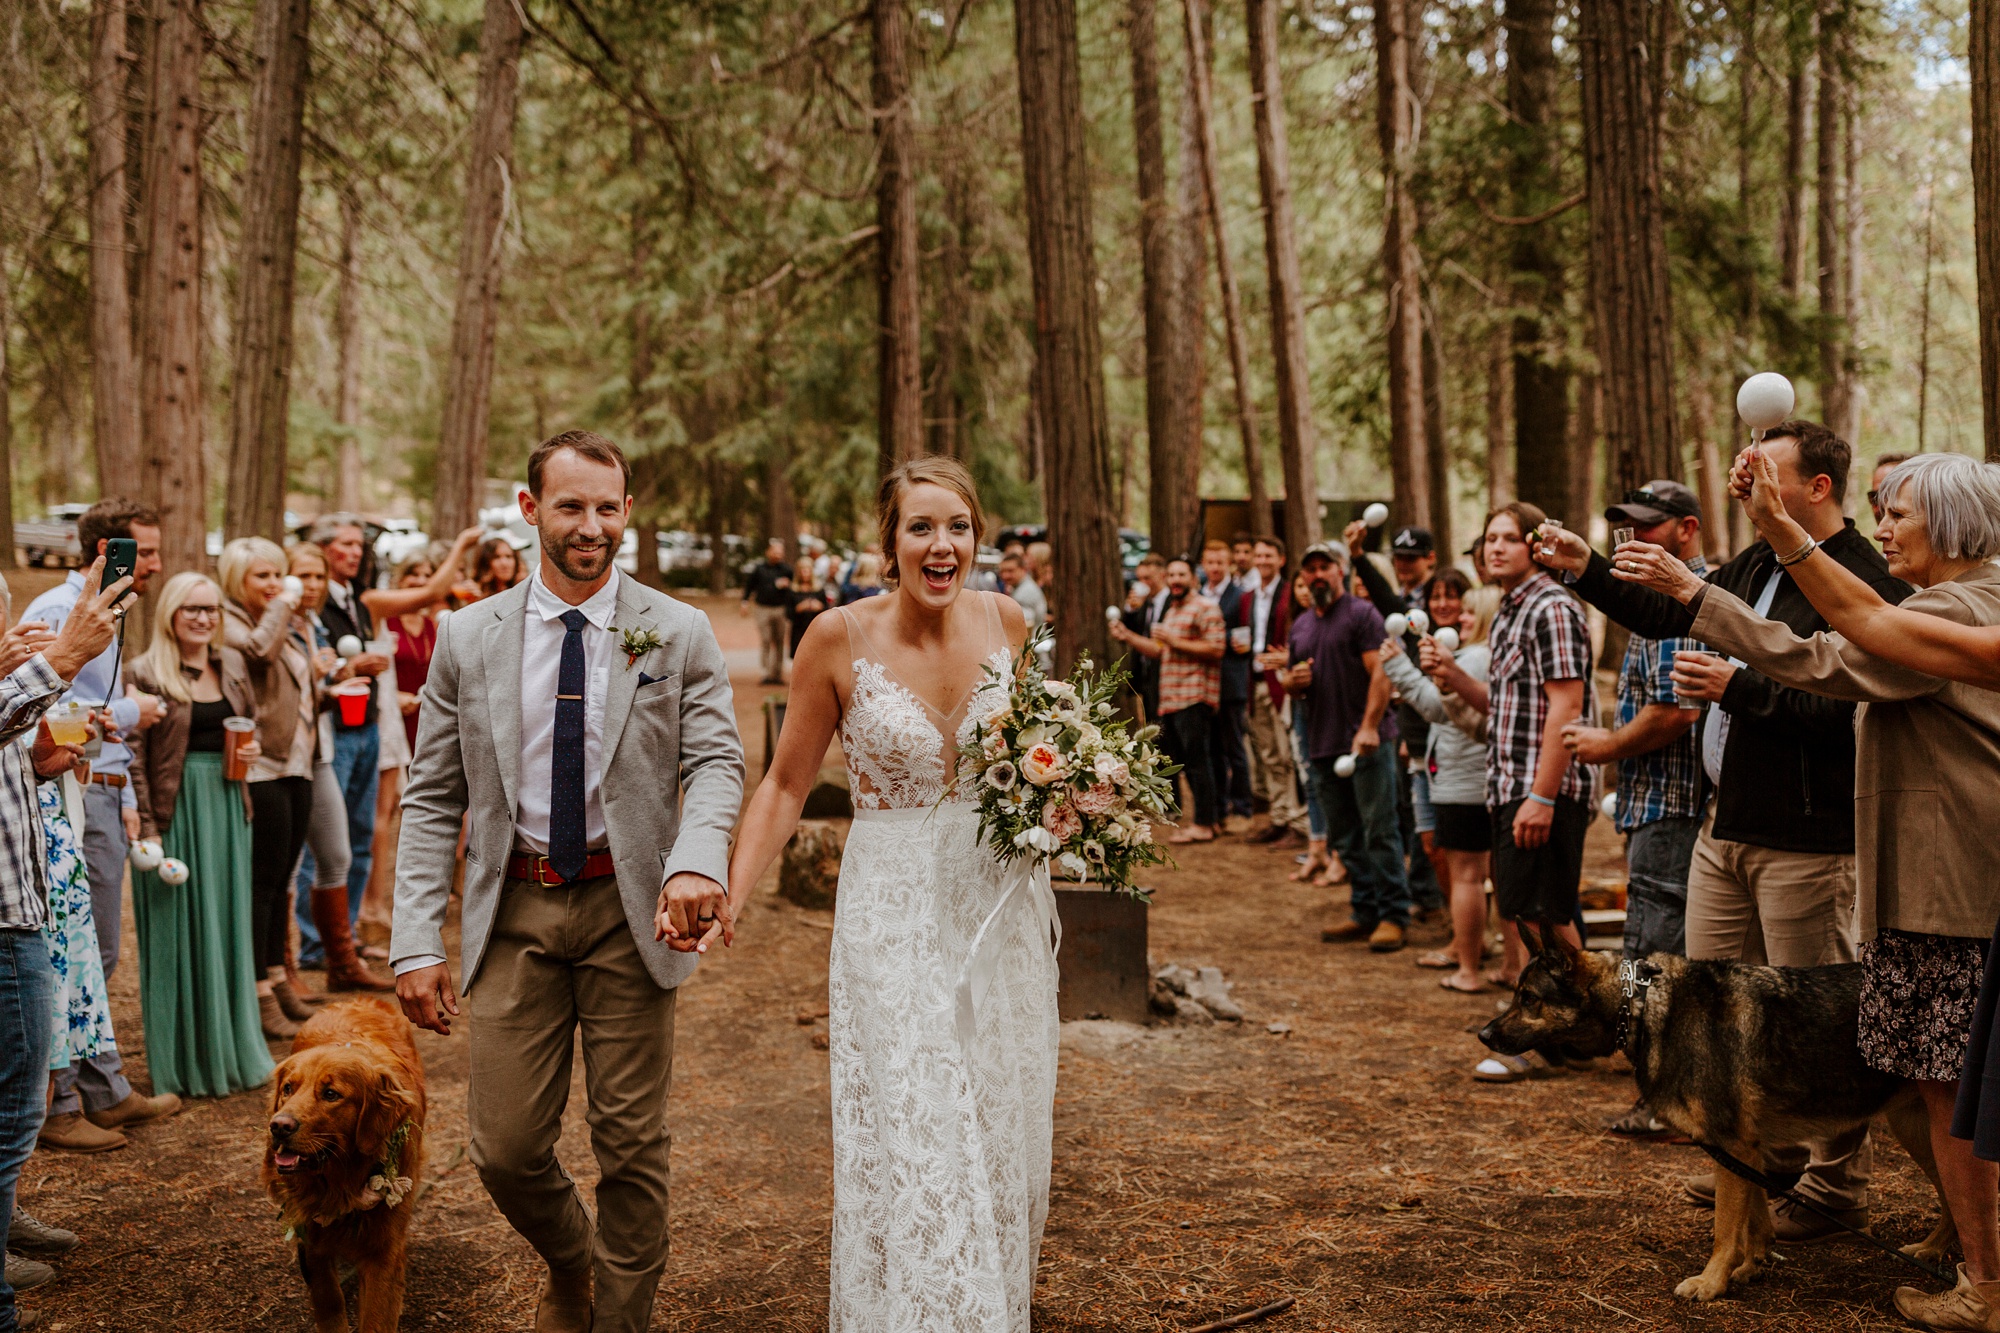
566 840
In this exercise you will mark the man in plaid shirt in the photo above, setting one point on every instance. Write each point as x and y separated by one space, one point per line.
1188 641
35 680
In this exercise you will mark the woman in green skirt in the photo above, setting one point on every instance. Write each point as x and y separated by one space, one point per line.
197 964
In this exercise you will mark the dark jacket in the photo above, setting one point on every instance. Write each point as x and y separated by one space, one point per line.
1145 670
160 751
1390 600
1788 765
1235 608
362 626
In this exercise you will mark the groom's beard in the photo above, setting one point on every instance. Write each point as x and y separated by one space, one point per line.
581 565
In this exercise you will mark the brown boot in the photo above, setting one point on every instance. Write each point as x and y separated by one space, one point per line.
312 999
136 1109
289 1000
1387 937
565 1306
72 1133
276 1026
344 969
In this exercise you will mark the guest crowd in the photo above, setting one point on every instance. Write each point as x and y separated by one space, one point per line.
246 759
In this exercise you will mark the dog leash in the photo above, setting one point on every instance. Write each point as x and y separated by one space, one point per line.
1786 1186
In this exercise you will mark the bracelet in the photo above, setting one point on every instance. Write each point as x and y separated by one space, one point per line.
1787 561
1540 799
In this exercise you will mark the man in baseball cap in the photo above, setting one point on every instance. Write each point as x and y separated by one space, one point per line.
1655 503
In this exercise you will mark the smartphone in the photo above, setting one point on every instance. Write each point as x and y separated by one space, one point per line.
121 557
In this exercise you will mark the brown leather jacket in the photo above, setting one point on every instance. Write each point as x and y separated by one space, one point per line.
277 688
160 751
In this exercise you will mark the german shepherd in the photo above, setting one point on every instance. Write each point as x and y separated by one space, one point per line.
1745 1058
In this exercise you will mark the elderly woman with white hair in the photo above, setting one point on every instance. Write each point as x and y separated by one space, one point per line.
1927 797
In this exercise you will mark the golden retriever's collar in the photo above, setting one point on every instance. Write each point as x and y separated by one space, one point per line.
386 1185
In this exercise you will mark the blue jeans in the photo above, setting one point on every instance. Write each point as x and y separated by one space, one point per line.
1361 824
1315 812
27 1027
1657 856
356 756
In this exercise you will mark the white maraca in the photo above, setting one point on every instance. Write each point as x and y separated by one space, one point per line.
295 589
1396 625
1419 622
1447 639
173 871
1111 615
1343 767
1765 400
1609 805
144 854
347 646
1375 515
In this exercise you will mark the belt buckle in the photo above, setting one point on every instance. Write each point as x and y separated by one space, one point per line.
545 873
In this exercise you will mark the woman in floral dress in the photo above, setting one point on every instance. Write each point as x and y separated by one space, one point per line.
81 1006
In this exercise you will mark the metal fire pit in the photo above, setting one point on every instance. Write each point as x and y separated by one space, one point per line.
1103 960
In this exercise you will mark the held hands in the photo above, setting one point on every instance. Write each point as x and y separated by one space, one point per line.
1532 823
428 998
693 911
1642 562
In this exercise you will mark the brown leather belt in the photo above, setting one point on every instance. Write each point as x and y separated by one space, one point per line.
535 868
110 779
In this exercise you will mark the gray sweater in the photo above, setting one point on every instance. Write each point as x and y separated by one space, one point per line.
1460 758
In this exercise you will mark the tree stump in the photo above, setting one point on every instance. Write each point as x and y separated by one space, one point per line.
810 872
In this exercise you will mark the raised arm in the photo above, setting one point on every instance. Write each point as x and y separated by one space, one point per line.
264 640
385 602
1417 690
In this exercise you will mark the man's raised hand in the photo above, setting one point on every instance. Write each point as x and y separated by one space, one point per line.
91 624
1561 549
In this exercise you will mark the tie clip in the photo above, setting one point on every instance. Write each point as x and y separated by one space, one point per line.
569 696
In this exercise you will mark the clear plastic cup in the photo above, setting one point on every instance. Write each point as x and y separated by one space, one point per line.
69 722
1691 705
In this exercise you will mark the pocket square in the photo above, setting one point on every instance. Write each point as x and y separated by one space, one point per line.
645 680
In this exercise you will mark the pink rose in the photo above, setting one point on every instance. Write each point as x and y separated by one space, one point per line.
1061 819
1042 764
1100 798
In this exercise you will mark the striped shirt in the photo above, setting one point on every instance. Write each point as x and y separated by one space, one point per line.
1663 783
1186 680
24 856
1537 637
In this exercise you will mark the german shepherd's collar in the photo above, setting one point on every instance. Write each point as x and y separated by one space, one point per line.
1635 980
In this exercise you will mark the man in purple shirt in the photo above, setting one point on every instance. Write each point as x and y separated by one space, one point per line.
1336 675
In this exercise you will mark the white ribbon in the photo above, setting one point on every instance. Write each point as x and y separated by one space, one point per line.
1030 875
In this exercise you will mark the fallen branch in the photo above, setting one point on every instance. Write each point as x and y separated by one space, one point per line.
1248 1316
1529 221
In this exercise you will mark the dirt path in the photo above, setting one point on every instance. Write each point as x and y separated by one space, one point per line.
1351 1163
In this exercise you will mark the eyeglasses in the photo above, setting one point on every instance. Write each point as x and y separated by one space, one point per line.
209 611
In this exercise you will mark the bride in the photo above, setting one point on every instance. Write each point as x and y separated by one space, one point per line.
941 1129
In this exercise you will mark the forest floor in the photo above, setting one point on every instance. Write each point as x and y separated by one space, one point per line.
1351 1163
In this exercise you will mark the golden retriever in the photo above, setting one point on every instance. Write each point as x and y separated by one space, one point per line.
345 1153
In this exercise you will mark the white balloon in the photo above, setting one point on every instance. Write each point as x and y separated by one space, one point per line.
1343 767
173 872
348 646
1397 625
144 854
1765 400
1375 515
1609 805
1447 639
1420 622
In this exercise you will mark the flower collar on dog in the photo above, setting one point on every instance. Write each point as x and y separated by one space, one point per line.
636 643
388 1186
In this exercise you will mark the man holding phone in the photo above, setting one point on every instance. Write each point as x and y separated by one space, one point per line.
93 1101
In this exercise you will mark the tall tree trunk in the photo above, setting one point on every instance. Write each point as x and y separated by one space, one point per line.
260 403
1622 44
1542 436
1396 130
114 382
899 357
1711 483
489 192
648 459
1499 414
347 489
172 474
716 474
1190 374
1232 294
1985 62
6 423
1165 468
1298 444
781 520
1437 449
947 412
1832 305
1792 202
1852 395
1056 172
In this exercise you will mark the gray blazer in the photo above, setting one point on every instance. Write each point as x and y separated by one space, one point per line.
672 782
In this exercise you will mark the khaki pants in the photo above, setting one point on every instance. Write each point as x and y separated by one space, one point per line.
774 628
559 960
1273 774
1784 909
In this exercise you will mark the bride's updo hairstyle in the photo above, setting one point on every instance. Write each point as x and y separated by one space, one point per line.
937 470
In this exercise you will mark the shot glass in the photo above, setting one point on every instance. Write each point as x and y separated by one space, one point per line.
1681 700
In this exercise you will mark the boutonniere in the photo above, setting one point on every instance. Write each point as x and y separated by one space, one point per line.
637 643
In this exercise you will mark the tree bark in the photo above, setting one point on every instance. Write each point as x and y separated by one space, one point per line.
172 473
260 403
114 382
648 461
1437 450
781 521
946 427
1499 413
1232 294
1622 45
489 190
1852 395
347 489
1542 437
1165 440
899 364
1985 62
1792 202
1298 443
1056 173
1190 375
1832 272
1396 131
7 557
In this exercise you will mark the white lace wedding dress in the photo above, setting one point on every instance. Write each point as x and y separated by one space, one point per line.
940 1146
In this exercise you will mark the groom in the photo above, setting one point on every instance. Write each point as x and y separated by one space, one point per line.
584 724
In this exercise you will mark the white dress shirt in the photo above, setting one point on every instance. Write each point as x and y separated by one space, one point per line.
1261 598
541 666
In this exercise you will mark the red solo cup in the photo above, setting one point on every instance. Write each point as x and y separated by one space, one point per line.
353 705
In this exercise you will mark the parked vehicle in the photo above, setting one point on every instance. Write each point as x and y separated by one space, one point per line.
50 541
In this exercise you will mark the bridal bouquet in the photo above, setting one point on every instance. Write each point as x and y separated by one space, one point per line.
1057 774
